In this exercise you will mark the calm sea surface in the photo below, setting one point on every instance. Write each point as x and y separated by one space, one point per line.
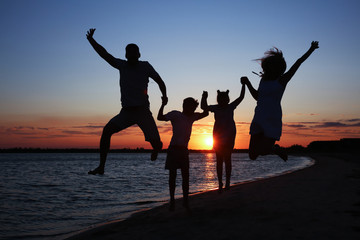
51 196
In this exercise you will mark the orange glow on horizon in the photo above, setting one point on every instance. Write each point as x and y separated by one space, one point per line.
76 133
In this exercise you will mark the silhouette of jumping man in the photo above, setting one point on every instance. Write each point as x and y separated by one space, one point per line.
177 153
266 125
224 131
134 78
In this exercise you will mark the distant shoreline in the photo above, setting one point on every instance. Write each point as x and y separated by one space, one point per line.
342 145
93 150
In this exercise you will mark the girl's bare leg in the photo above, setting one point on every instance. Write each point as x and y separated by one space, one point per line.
219 169
228 168
261 145
185 187
172 185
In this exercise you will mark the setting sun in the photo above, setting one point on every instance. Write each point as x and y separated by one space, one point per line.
209 142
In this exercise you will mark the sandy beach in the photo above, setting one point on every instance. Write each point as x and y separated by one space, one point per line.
319 202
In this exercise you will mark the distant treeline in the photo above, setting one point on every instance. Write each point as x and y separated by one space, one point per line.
342 145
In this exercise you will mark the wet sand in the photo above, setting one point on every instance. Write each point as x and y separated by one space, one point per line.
319 202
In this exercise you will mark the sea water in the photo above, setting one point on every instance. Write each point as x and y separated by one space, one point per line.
51 195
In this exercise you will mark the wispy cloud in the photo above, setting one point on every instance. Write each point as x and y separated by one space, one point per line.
90 126
333 124
305 132
357 120
324 124
22 130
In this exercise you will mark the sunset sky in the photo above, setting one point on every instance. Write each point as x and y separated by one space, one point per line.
56 92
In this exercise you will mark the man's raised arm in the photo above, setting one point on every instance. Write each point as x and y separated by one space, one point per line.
100 49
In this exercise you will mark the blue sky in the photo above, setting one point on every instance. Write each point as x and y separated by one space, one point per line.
48 70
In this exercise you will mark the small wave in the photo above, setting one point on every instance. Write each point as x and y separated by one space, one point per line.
36 236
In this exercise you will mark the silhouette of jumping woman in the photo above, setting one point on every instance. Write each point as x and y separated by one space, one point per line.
266 125
177 153
224 131
134 79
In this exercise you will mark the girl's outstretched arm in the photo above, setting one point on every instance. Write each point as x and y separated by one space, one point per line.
289 74
204 105
237 101
253 91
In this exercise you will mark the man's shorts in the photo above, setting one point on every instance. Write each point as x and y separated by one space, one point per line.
141 116
177 157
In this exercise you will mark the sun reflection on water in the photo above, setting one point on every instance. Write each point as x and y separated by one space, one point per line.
210 171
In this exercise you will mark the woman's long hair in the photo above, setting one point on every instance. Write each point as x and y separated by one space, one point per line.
273 64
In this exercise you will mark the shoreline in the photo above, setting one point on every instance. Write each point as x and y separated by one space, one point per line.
321 201
160 203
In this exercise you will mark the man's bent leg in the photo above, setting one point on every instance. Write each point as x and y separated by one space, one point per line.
108 131
116 124
157 146
147 124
